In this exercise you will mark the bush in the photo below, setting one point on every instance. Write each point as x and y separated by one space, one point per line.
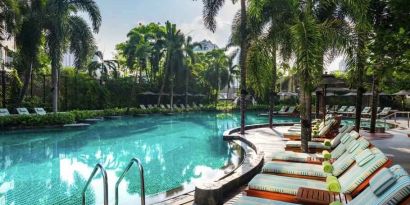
36 120
86 114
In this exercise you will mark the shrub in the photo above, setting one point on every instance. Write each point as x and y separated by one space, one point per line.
36 120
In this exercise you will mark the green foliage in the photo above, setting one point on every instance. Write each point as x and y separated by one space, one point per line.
36 120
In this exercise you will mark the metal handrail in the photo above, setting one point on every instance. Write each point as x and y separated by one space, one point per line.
395 116
105 183
141 171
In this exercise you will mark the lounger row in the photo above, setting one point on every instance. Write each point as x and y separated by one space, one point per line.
284 110
351 110
350 171
174 106
23 111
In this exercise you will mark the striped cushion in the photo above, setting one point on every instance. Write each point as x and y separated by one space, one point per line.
294 168
353 177
338 151
348 158
393 195
248 200
315 145
281 184
382 181
336 141
291 156
364 157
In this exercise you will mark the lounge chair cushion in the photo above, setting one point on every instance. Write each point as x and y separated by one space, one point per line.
4 112
392 195
382 181
364 157
248 200
291 156
348 158
356 175
282 184
353 146
294 168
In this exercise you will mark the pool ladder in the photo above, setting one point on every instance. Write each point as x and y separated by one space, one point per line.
105 181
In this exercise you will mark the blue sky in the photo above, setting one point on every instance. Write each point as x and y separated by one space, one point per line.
119 16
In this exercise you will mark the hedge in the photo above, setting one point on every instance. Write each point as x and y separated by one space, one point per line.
36 120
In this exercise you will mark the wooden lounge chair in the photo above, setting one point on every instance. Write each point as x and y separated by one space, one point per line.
143 107
194 105
397 191
366 110
162 106
324 132
282 109
315 171
352 181
4 112
350 110
333 109
22 111
175 106
201 106
168 106
188 106
150 106
342 109
385 111
182 106
289 111
317 144
40 111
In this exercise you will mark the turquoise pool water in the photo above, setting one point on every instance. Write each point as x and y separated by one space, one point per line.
51 167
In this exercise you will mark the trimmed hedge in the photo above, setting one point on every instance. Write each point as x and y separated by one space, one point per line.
36 120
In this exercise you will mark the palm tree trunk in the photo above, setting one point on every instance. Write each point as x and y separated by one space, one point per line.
162 85
304 117
375 96
172 92
54 81
273 88
27 79
360 89
242 62
186 86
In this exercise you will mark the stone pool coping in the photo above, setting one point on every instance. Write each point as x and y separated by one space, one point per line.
212 193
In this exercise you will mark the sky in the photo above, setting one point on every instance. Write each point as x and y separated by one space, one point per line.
120 16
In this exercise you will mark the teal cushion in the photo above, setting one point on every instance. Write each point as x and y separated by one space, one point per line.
382 181
353 146
345 138
363 157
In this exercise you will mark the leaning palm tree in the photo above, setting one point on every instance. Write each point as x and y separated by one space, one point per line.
67 30
211 9
190 60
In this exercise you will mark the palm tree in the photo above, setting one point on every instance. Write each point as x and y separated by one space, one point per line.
174 41
232 70
189 54
217 69
63 26
211 8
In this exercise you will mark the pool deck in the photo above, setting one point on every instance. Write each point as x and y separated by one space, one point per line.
395 143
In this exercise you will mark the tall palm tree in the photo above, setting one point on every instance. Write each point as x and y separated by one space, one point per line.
211 9
217 68
189 54
232 70
63 26
174 41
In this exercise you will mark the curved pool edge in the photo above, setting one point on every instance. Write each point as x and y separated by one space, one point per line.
214 192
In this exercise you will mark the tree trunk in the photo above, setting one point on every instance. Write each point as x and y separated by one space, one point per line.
375 96
360 72
304 118
186 86
162 86
172 93
273 88
27 79
309 115
54 81
242 62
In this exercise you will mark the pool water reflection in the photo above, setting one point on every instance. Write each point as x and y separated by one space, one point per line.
51 167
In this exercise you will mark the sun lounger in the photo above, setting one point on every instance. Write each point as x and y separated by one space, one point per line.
182 106
168 106
162 106
175 106
315 158
333 108
150 106
22 111
283 109
316 171
323 132
4 112
201 106
342 109
388 186
366 110
352 181
318 146
290 111
194 105
385 111
350 110
40 111
143 107
187 106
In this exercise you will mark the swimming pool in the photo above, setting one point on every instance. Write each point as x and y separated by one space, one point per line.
51 167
